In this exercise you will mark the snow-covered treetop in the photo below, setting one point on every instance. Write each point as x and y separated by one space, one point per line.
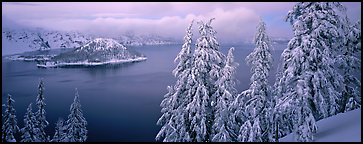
185 55
319 20
261 55
76 105
208 35
207 49
260 60
229 70
309 7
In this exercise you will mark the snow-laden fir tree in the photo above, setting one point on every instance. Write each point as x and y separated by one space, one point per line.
173 120
40 115
318 30
76 123
206 69
59 134
257 103
349 61
191 116
224 124
309 60
9 127
29 131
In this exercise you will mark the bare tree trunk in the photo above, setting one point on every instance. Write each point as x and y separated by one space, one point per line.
276 132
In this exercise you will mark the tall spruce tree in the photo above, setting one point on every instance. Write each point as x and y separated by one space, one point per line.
258 106
206 69
187 107
223 127
9 127
40 115
76 123
174 120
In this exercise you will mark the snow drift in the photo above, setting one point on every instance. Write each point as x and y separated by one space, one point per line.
343 127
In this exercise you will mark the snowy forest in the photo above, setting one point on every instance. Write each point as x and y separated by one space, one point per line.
72 130
316 79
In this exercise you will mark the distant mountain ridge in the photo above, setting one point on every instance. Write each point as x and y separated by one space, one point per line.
40 39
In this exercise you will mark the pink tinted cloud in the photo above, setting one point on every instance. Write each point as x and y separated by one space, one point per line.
234 21
232 25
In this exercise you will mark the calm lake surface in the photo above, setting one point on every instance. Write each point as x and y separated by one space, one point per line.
120 103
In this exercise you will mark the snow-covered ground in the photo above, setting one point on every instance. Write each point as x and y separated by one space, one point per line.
344 127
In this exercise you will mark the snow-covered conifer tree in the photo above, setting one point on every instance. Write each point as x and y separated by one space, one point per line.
9 127
76 123
224 124
350 62
59 134
41 121
29 131
188 113
258 105
318 31
309 82
206 69
173 120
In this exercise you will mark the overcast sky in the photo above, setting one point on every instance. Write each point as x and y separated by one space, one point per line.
235 21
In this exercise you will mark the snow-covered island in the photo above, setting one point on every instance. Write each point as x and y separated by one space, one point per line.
100 51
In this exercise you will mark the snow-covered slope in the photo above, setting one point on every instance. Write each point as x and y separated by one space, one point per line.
344 127
21 40
16 40
97 52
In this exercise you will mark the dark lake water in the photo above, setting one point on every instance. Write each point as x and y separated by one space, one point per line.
120 103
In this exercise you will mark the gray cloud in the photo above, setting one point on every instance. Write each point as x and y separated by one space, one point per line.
234 21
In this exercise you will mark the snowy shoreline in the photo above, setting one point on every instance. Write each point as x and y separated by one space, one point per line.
86 63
